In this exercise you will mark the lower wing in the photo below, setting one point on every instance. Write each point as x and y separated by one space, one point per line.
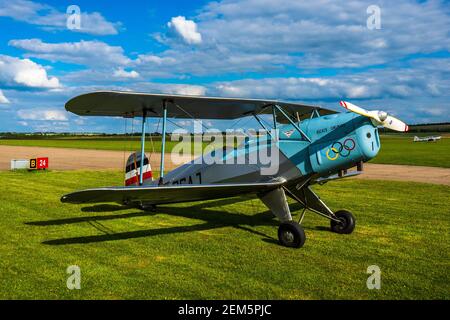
168 194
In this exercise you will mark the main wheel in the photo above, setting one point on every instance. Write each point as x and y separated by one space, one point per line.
346 223
291 234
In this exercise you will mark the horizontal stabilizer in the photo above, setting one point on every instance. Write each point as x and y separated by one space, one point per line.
155 194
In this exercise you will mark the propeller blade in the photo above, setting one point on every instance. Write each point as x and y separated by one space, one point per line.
380 117
394 124
351 107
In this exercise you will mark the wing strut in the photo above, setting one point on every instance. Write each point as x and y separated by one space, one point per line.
292 122
163 144
141 174
262 124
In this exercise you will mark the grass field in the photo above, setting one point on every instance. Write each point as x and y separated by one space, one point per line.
221 249
395 149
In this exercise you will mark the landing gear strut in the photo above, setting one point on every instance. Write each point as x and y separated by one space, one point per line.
342 222
290 233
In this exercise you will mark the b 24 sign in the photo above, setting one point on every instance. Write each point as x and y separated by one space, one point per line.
39 163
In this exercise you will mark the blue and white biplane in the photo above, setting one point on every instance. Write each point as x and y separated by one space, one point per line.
313 145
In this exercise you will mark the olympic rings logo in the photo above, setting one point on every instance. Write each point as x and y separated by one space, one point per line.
341 149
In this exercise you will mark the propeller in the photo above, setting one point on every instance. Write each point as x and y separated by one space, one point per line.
380 117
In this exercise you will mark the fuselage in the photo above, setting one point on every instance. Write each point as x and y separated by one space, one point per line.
338 142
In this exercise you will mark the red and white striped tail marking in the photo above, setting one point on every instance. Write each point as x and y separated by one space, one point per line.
132 177
133 170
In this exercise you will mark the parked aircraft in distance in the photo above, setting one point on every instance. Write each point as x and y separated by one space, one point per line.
427 139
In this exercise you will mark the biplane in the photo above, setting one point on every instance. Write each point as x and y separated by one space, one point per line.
314 145
427 139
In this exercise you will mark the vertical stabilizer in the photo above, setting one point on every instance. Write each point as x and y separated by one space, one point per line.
133 167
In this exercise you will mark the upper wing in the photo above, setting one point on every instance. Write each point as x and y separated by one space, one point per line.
168 194
131 104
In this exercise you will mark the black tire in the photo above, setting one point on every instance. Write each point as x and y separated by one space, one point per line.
147 207
347 222
291 234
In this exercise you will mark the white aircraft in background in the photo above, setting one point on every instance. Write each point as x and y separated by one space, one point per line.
427 139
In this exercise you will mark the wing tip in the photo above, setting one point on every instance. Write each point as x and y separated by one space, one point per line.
66 199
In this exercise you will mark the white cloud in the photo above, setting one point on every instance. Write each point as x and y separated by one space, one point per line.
50 18
94 53
189 90
185 123
183 63
95 23
49 126
277 50
285 88
121 73
239 36
79 121
411 83
3 99
42 114
153 59
24 72
186 29
20 9
434 111
327 33
169 88
358 92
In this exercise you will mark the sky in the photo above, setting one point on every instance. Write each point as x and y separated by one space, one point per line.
388 55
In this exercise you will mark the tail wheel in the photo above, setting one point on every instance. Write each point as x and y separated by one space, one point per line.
291 234
346 223
147 207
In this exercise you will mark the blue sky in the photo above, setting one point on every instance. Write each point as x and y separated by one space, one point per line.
317 52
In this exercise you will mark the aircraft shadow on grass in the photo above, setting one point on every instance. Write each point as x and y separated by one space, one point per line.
213 219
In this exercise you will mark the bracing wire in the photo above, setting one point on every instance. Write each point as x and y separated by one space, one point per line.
151 139
151 142
248 120
157 130
132 135
190 115
176 124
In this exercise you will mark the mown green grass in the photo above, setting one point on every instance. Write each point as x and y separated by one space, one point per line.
221 249
400 149
395 149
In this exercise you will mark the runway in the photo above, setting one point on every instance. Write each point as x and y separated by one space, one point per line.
87 159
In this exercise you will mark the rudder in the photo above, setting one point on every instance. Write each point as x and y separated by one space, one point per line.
133 169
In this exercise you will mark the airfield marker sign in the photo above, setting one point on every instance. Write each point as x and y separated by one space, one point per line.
42 163
38 164
33 164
